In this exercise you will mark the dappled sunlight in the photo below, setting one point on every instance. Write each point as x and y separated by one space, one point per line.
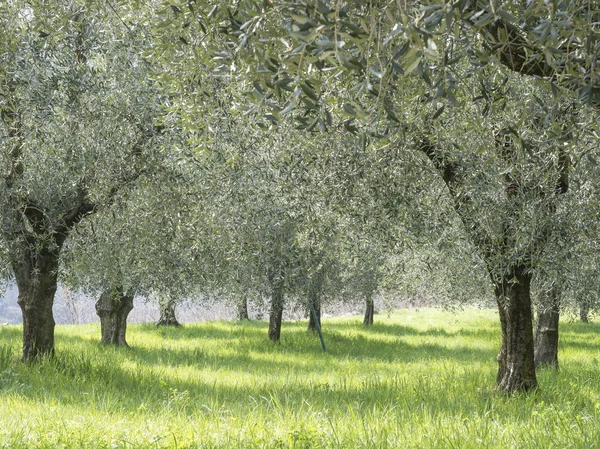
226 381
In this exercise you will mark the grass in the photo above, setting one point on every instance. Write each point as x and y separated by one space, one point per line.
416 379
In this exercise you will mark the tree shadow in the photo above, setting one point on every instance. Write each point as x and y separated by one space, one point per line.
248 348
245 369
580 328
136 376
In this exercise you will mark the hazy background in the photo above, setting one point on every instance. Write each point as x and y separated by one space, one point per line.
76 308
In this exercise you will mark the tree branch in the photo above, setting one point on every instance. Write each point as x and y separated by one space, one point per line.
452 178
520 55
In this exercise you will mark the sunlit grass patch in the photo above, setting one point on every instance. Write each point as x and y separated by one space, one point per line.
417 378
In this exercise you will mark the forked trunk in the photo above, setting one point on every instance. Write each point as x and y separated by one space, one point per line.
546 329
276 314
167 314
113 307
242 309
36 275
516 368
369 311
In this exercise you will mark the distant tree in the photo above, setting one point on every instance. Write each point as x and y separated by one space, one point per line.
167 313
113 307
242 309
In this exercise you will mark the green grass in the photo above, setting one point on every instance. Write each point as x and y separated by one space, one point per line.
416 379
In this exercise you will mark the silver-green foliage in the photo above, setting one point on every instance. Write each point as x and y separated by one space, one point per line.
79 113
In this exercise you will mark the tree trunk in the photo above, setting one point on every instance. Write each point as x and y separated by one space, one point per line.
35 272
369 312
314 292
546 335
584 310
516 368
167 314
312 323
242 309
276 314
113 307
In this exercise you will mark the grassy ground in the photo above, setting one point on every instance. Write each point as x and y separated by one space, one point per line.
419 379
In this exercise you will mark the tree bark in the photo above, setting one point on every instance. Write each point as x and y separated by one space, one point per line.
276 314
315 285
584 310
516 368
167 314
546 332
242 309
35 272
113 307
312 323
369 311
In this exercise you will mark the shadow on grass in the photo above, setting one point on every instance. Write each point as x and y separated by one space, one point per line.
86 374
401 330
580 328
104 377
245 348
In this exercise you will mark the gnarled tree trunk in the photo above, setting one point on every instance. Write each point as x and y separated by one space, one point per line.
113 307
36 275
276 313
546 330
516 368
369 311
167 314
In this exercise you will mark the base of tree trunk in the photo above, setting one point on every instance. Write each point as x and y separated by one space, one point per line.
242 309
167 315
168 322
369 312
312 323
516 368
546 336
38 330
113 308
37 286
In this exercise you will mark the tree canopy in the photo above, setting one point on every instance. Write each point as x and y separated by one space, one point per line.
304 151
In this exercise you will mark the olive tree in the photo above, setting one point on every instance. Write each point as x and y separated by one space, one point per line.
302 53
77 127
